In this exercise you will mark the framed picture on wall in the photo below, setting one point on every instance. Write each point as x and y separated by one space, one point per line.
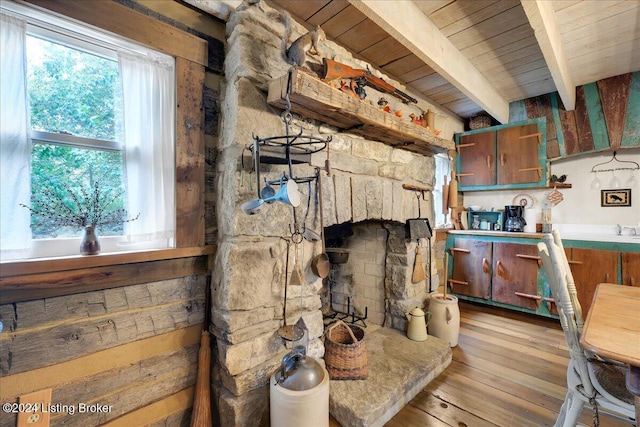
615 197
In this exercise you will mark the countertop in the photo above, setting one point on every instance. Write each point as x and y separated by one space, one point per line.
566 235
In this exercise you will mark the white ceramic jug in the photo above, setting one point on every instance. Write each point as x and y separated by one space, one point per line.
417 327
445 322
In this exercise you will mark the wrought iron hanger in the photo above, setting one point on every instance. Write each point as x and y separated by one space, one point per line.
615 159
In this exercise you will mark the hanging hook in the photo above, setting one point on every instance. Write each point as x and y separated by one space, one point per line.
612 159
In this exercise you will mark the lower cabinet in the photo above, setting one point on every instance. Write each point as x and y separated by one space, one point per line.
505 270
631 269
589 268
501 273
515 275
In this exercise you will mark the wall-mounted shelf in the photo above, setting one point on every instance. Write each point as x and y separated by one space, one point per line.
311 97
558 186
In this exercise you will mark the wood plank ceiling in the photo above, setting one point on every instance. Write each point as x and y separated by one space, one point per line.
505 59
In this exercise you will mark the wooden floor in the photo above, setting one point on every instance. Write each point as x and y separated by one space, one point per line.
509 369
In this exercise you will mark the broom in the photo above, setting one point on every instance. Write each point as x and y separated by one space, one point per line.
201 414
418 267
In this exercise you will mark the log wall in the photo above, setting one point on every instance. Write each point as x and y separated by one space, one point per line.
125 334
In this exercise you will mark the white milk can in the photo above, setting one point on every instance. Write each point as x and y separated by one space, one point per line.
445 318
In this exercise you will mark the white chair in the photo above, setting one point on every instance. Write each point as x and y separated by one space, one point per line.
590 381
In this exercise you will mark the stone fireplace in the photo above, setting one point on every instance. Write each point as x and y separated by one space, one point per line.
363 196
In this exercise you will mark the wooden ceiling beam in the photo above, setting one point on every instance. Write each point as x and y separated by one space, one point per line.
403 20
541 16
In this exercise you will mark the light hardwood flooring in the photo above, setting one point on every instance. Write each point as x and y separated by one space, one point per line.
509 369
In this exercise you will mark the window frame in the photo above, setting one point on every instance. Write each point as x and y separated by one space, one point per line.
190 53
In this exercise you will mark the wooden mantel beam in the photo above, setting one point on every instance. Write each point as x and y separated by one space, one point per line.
404 21
542 18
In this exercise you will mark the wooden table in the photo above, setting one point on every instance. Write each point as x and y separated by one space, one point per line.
612 329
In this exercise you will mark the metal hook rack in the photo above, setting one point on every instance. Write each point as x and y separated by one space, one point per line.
615 159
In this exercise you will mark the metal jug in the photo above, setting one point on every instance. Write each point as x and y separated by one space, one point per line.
417 326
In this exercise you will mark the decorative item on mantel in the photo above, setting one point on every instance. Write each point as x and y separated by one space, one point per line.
87 210
617 165
479 122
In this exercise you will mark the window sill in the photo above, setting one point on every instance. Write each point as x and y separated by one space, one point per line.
49 277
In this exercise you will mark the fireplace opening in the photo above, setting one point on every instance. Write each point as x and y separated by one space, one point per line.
369 281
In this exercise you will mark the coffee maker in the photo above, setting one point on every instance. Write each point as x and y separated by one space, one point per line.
514 218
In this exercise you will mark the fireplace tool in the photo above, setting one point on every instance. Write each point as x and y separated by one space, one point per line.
419 228
288 332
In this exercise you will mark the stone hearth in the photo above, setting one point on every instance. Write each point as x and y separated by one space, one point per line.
398 370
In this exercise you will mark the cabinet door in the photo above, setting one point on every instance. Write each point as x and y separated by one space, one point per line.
517 151
631 268
515 275
476 154
589 268
471 268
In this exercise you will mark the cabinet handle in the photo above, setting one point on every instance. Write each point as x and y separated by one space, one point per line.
575 262
464 251
631 281
465 174
537 169
458 282
532 257
489 159
459 146
537 298
503 159
485 265
498 267
537 135
606 277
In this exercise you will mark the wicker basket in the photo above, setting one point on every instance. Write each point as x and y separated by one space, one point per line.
345 352
479 122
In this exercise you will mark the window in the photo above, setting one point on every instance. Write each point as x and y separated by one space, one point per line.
89 115
443 168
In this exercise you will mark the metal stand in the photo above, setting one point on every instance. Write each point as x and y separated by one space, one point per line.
341 315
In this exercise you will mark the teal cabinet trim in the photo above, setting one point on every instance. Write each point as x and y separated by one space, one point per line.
631 133
558 122
596 117
609 246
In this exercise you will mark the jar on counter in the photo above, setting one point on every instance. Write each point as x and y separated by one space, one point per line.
476 222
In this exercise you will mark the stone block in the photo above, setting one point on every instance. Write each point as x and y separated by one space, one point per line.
387 200
354 165
253 274
248 410
401 156
251 379
422 170
371 150
342 185
392 171
237 358
366 198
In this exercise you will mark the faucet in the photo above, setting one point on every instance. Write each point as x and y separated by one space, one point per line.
618 230
632 230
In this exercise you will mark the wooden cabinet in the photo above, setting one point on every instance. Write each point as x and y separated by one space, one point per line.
476 156
504 269
471 273
497 272
515 275
631 268
507 156
517 155
589 268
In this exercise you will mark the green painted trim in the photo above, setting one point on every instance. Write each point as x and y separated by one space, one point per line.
538 121
517 111
555 109
631 132
608 246
596 117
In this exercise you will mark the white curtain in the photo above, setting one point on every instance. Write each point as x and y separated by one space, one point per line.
443 168
15 147
149 99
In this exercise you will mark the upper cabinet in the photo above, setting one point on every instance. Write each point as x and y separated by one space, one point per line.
503 157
